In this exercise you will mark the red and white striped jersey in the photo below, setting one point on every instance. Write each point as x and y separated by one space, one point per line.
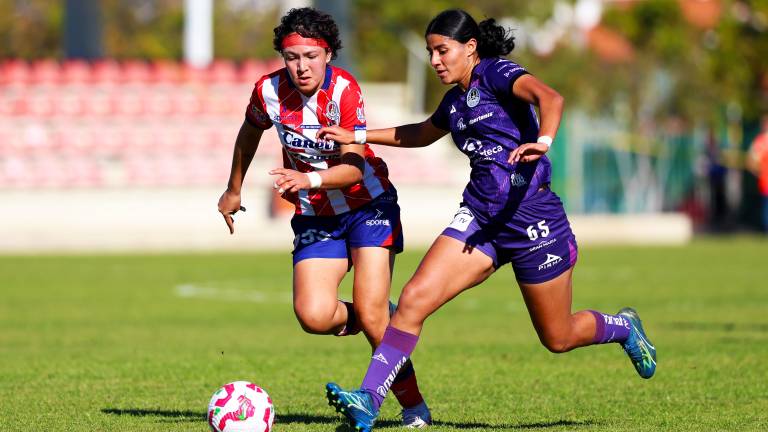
276 101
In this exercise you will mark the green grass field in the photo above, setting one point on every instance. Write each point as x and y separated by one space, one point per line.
140 342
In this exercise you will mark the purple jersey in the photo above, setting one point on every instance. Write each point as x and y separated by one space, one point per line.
487 122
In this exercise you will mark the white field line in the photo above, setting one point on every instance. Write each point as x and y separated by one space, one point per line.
229 294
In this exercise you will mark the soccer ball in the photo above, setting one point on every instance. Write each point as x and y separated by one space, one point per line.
240 406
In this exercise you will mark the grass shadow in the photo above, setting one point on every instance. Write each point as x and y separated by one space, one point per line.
303 418
183 415
483 426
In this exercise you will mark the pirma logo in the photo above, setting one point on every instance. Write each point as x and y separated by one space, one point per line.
380 357
551 261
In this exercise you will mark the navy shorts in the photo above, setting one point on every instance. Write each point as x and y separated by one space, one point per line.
376 224
537 239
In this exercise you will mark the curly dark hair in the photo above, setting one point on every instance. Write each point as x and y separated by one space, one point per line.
493 40
309 23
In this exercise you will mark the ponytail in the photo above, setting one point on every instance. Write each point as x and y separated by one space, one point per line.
494 40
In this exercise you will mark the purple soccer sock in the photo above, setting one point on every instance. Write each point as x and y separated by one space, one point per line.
389 357
610 328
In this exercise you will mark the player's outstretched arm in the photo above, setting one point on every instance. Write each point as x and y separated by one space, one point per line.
245 148
410 135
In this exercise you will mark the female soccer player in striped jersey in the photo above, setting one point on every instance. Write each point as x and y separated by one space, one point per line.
508 213
346 207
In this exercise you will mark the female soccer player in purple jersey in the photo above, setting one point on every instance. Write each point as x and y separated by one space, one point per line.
346 207
508 213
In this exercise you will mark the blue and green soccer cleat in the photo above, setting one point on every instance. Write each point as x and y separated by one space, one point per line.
357 406
637 346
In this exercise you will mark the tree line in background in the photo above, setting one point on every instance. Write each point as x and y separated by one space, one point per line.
677 70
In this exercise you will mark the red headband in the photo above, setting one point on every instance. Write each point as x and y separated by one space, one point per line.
297 39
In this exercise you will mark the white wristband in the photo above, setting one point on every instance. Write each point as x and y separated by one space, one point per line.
315 181
360 136
545 139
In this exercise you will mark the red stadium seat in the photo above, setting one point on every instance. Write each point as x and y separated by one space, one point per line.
135 72
222 72
251 70
15 73
40 105
166 72
107 124
191 74
46 72
107 72
158 104
77 72
70 104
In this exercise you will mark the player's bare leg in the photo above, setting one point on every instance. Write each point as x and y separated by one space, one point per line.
549 304
373 279
447 269
370 296
560 330
315 294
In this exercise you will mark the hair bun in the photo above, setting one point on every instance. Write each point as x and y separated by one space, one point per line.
494 39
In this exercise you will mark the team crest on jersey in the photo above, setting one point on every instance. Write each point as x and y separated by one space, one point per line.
332 112
360 115
473 97
259 114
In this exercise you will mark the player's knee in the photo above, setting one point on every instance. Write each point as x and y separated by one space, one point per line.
314 320
373 323
556 344
415 300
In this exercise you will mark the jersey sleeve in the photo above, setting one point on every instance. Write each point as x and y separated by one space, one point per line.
502 75
352 109
440 118
256 112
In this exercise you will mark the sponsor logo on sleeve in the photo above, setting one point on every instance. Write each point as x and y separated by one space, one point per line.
259 114
360 115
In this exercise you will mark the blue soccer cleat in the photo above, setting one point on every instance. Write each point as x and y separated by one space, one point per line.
357 406
637 346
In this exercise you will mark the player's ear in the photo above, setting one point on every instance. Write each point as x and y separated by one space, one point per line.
328 55
470 46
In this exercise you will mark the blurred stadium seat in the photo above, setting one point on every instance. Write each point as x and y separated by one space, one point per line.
135 123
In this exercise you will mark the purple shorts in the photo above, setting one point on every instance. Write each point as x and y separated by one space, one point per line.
537 239
374 224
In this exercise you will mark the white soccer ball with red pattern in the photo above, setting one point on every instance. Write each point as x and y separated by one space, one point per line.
240 406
